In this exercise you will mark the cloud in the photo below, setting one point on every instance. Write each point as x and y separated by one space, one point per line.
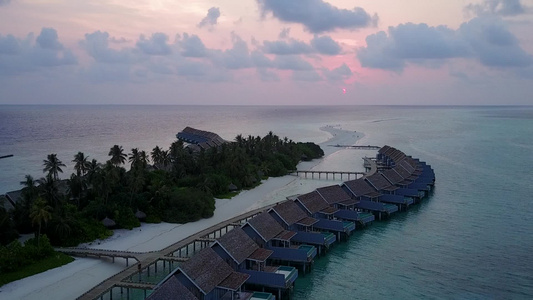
31 54
310 75
9 45
486 39
317 16
211 19
156 45
260 60
238 57
284 33
266 75
497 7
493 44
48 39
286 47
191 46
326 45
97 46
323 45
340 73
292 62
4 2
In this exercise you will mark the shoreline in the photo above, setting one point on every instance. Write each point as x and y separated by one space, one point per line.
72 280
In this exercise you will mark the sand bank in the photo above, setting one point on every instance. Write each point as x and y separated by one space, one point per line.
72 280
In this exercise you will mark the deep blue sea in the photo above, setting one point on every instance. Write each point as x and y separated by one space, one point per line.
472 239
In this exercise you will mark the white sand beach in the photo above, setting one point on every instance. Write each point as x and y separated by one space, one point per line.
72 280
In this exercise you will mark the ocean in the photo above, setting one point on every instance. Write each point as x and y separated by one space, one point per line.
471 239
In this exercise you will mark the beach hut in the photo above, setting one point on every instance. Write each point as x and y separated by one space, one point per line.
313 204
170 289
140 215
245 256
337 197
368 198
207 277
109 223
232 187
291 217
268 233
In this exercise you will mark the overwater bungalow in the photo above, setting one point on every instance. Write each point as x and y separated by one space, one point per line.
291 217
317 207
368 198
268 233
207 277
335 196
245 256
390 193
202 139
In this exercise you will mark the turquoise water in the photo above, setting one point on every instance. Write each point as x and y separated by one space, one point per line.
472 239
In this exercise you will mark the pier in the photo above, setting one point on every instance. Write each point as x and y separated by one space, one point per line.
319 174
368 147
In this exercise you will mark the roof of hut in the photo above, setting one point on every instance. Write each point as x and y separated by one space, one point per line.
289 211
313 202
380 183
384 149
361 188
169 289
140 215
266 226
14 196
208 270
392 176
232 187
333 194
5 203
238 244
107 222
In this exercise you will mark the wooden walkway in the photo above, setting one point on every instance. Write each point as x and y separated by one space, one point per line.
326 174
145 259
357 147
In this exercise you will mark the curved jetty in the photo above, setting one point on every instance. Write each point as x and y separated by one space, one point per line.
259 254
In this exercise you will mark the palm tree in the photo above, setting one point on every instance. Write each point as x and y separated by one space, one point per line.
134 158
82 163
48 187
165 158
156 156
143 159
53 165
40 212
29 191
117 155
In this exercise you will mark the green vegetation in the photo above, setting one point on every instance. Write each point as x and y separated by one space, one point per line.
178 187
35 256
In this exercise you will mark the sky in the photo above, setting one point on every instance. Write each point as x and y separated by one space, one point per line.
267 52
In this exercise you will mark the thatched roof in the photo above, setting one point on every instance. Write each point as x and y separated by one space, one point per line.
108 222
266 226
140 215
289 212
238 244
380 183
170 289
208 270
232 187
313 202
359 187
333 194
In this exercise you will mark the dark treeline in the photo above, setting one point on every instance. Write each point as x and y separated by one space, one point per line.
172 185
